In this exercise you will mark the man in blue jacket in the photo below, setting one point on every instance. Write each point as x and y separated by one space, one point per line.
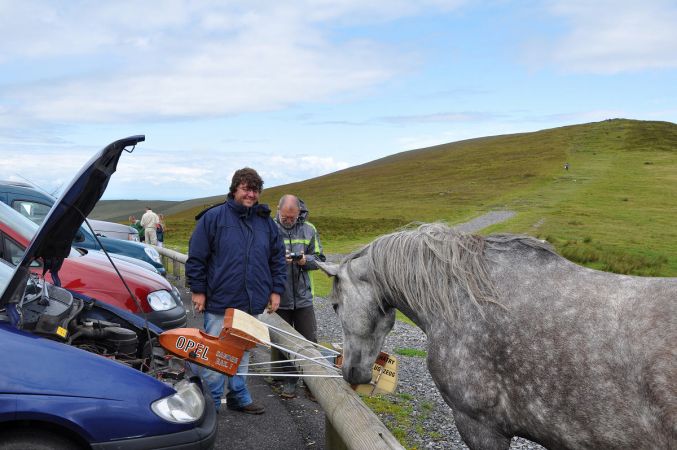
236 259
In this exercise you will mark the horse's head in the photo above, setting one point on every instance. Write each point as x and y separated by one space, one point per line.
365 321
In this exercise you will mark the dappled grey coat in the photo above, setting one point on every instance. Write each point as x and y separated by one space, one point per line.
301 238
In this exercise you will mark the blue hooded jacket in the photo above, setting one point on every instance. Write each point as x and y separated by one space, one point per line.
236 257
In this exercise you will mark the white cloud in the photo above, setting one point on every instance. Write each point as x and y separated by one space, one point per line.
612 36
576 117
149 173
442 117
127 60
204 173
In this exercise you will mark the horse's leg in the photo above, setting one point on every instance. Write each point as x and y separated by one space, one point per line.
478 435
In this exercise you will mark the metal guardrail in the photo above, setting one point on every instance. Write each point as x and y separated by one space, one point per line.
175 261
349 423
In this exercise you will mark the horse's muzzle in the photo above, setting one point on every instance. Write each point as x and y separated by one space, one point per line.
356 375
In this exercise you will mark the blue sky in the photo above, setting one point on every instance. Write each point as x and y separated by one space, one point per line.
297 89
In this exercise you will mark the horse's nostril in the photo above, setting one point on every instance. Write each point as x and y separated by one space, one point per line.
349 374
354 375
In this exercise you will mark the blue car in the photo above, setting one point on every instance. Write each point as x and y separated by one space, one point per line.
80 374
34 204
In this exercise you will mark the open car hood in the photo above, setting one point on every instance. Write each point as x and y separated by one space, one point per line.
53 240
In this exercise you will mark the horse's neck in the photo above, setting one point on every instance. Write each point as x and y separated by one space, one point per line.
421 319
432 322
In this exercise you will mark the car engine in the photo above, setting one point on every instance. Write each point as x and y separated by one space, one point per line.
54 313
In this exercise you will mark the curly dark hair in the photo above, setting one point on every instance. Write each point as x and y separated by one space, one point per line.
247 176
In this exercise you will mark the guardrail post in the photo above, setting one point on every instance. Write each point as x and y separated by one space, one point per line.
332 440
176 270
178 260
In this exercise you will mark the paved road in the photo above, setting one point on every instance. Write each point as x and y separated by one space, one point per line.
287 424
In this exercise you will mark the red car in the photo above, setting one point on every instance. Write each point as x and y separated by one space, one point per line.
90 273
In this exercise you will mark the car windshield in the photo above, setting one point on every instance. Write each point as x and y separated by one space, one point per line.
22 226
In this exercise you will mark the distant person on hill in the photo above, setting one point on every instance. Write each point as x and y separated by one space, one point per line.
303 248
160 231
235 260
149 222
135 223
566 166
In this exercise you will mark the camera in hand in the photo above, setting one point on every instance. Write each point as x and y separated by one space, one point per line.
296 256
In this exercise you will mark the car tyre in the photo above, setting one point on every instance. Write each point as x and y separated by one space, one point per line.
23 439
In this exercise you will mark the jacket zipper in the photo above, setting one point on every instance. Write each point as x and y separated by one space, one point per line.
250 238
293 283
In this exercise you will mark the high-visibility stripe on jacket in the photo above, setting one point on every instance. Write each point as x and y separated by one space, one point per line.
301 238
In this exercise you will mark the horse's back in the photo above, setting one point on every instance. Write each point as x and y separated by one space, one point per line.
599 347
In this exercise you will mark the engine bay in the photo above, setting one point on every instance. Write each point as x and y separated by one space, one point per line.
55 313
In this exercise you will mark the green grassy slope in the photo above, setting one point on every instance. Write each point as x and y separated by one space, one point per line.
613 209
120 210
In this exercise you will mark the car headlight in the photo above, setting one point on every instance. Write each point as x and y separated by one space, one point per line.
161 300
187 405
152 253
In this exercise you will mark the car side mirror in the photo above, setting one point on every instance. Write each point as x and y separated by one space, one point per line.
79 236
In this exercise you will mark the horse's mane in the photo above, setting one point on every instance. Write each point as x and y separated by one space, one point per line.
432 265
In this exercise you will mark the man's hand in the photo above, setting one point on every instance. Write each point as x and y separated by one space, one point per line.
300 262
273 303
199 301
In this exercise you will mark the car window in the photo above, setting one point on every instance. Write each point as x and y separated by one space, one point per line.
12 252
6 273
22 226
33 210
18 222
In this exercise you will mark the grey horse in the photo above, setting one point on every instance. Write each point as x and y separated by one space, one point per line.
521 342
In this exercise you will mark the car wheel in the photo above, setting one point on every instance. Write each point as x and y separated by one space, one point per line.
23 439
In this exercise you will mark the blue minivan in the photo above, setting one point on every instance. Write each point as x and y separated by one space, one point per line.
80 374
34 204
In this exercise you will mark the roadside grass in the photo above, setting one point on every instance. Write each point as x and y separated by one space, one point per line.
396 412
402 318
413 352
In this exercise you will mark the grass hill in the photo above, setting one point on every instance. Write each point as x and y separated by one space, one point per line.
120 210
613 209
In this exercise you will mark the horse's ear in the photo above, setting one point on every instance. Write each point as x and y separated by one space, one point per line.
328 268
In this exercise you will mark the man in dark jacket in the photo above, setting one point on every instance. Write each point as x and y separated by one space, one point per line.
303 248
236 260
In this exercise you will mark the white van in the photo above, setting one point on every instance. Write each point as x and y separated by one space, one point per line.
114 230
